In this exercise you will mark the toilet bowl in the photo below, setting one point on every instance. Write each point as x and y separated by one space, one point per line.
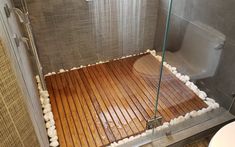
200 51
224 137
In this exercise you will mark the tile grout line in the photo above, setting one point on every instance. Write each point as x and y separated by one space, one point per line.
12 121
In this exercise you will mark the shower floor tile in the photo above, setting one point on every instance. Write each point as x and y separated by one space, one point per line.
104 103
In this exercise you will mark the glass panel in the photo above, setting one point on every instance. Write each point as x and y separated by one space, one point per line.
132 86
113 100
194 51
163 53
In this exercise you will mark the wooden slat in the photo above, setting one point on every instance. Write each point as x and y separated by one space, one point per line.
164 107
76 113
149 89
68 112
169 100
176 91
87 106
123 105
57 119
196 102
127 94
91 118
123 96
188 96
132 87
164 94
100 104
62 114
107 107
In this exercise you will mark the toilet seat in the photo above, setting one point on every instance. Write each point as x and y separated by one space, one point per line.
225 137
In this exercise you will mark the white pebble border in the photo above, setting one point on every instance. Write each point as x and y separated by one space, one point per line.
47 114
100 62
44 97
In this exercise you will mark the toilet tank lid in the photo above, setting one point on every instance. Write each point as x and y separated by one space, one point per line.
218 36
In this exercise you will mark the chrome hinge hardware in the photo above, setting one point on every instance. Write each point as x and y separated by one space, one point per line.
154 122
16 39
7 11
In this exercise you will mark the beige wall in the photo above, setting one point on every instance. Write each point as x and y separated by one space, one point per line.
16 128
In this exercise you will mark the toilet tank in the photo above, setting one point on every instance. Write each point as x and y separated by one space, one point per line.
201 48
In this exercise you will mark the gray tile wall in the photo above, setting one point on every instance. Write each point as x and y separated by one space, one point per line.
220 15
76 32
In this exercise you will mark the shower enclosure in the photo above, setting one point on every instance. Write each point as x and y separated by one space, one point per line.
112 70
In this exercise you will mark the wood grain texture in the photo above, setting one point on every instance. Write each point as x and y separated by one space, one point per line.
100 104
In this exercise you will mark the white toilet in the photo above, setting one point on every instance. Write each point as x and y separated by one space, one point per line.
200 51
224 137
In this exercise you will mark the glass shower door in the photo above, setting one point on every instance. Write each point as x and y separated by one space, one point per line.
188 55
163 55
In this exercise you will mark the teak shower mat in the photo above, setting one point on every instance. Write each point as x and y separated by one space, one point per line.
104 103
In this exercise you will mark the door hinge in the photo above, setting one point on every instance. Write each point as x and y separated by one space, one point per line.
7 11
154 122
16 39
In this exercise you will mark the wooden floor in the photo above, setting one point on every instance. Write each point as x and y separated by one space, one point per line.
97 105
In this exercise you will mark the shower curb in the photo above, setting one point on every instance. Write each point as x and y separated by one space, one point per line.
50 123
